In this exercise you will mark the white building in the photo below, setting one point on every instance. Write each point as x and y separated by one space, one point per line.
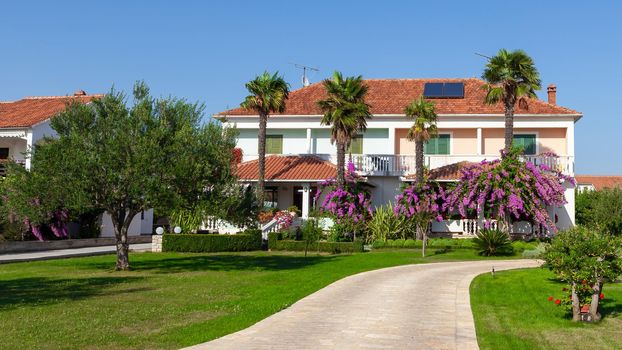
26 122
300 153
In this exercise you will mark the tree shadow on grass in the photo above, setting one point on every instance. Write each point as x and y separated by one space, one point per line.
220 262
42 290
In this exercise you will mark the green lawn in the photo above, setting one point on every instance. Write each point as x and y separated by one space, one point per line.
512 311
169 300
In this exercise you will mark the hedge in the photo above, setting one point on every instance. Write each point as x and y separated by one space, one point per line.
325 247
441 243
210 243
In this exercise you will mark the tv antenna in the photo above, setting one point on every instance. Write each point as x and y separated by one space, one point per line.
305 80
479 54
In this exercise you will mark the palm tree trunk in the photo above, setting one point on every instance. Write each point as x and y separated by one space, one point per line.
341 164
261 147
509 124
419 161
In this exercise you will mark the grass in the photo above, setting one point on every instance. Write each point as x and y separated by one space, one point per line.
168 300
512 311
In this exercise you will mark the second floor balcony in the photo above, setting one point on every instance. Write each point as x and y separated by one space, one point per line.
403 165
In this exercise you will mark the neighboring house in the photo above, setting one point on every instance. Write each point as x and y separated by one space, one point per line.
24 123
300 153
597 182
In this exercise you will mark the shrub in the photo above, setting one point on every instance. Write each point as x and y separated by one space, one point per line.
493 242
320 246
384 224
537 253
410 243
601 210
248 240
398 243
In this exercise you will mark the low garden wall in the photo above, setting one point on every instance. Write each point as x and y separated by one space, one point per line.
35 246
209 243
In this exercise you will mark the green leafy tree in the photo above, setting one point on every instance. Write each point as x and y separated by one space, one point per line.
154 153
268 94
422 130
585 257
346 112
510 77
601 209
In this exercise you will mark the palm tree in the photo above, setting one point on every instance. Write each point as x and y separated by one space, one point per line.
346 112
510 77
422 130
268 93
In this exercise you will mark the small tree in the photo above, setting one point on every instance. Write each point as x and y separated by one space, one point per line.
126 159
421 202
581 257
601 209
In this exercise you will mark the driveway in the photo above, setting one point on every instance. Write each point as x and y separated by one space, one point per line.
422 306
69 253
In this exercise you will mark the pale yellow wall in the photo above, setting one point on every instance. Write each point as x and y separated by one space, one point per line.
463 141
549 139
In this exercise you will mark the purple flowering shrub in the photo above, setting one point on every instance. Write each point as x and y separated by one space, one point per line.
284 219
508 189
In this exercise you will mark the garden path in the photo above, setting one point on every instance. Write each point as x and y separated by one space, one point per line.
425 306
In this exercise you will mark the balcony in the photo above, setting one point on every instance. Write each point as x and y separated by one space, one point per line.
402 165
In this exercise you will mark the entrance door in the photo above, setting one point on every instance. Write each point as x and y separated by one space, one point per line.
297 200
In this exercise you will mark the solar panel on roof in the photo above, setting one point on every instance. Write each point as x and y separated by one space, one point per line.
433 90
443 90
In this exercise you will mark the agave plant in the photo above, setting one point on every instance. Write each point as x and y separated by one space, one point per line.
386 225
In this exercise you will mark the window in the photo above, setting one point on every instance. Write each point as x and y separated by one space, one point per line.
437 145
356 145
274 144
4 153
527 142
271 197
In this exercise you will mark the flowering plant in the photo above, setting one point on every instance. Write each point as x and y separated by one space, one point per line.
284 219
508 189
265 216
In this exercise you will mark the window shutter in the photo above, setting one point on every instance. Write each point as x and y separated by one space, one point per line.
274 144
527 141
437 145
356 145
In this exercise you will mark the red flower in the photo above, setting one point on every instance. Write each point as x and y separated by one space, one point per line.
583 282
550 298
557 302
564 289
602 296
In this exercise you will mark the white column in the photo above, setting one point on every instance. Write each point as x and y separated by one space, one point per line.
29 149
309 143
306 189
479 141
570 148
391 141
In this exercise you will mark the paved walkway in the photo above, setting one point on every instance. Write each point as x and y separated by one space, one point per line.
407 307
68 253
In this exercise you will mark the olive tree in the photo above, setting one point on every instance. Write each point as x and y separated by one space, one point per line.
124 158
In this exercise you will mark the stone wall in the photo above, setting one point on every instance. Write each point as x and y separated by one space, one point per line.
156 243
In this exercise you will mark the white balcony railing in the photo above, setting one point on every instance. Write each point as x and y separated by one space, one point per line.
402 165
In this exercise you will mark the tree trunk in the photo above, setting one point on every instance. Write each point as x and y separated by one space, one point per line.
341 164
595 304
121 221
419 161
261 147
576 307
509 123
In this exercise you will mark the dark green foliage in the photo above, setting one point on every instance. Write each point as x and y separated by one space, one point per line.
600 210
274 243
493 242
248 240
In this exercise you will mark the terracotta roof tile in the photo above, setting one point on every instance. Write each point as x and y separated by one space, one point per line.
449 172
303 167
390 96
33 110
599 182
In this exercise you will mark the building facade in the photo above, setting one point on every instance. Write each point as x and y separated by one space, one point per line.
300 152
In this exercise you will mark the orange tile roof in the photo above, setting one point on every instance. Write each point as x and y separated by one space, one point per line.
303 167
390 96
449 172
33 110
599 182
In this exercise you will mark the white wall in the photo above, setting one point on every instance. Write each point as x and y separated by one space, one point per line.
294 140
42 130
139 225
385 190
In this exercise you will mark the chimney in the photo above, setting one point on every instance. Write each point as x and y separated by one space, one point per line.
79 93
552 90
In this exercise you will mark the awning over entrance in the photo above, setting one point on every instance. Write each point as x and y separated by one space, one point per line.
298 168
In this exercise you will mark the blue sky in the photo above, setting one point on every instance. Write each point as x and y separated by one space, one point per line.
205 51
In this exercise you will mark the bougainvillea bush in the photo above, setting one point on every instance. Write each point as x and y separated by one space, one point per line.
508 189
421 202
349 206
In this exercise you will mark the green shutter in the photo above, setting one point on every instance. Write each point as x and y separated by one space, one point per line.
274 144
437 145
356 145
527 141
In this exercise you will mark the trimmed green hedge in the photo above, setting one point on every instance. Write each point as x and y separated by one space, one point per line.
248 240
445 243
325 247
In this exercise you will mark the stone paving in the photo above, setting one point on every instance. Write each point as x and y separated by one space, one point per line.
68 253
423 306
